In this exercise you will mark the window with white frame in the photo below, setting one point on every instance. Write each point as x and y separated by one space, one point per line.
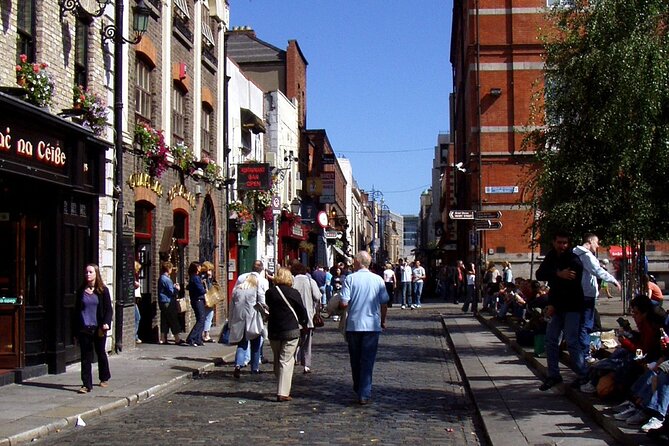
178 114
207 34
143 89
205 132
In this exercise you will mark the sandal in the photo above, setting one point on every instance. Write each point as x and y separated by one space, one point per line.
83 389
104 384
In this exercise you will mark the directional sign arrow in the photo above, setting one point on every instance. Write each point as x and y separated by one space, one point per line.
461 215
487 215
485 225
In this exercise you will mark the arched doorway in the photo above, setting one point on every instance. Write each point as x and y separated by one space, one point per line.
207 232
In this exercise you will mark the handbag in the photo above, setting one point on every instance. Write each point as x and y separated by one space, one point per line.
256 327
318 319
182 305
212 296
263 310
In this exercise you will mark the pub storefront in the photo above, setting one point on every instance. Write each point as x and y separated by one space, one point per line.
52 174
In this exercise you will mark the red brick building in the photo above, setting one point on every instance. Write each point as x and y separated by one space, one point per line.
497 64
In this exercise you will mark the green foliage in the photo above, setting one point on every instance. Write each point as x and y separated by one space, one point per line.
603 149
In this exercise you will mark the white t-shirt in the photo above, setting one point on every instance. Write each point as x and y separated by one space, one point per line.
388 275
406 273
419 273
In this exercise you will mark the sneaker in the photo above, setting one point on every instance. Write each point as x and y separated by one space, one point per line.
590 360
637 419
625 414
413 306
419 306
138 341
588 388
622 406
653 423
403 307
550 382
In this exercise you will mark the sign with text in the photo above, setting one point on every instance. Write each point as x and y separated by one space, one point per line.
501 189
328 158
253 176
461 215
486 225
487 215
25 146
328 193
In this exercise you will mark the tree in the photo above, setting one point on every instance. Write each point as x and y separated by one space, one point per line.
602 138
603 149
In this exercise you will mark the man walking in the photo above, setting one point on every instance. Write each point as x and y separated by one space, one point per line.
365 296
592 270
563 271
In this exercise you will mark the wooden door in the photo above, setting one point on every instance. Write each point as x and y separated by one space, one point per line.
12 309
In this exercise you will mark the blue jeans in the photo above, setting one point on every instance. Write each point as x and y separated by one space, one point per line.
362 347
138 317
240 354
195 335
406 293
208 318
588 325
567 324
418 290
659 402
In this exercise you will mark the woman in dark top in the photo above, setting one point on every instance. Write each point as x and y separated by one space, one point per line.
93 316
283 327
196 292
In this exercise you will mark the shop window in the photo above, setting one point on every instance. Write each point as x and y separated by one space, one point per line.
143 89
178 114
81 53
25 28
143 220
180 220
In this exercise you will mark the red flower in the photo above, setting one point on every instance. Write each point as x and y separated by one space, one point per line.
36 68
23 58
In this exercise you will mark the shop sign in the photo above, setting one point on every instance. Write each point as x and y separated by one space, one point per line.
42 150
178 190
331 234
501 189
253 176
297 230
328 192
141 179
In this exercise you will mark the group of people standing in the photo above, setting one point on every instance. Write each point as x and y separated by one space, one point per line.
404 283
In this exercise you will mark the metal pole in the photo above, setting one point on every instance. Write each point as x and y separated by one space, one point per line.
118 172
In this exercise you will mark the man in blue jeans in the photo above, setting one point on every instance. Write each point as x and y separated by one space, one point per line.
563 270
364 294
418 276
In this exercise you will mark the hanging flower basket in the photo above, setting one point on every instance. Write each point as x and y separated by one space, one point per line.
152 147
184 158
94 110
37 82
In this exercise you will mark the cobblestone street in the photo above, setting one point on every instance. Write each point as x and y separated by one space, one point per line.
417 397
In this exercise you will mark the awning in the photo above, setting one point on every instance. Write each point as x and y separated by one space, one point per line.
252 122
617 251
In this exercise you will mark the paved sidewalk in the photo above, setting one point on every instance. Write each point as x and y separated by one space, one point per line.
50 403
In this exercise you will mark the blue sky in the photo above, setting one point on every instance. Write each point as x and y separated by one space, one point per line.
378 81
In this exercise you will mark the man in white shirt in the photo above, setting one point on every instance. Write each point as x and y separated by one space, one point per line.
405 279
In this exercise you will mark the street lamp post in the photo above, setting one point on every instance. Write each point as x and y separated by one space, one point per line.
114 32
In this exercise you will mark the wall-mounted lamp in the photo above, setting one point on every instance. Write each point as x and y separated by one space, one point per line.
83 10
496 92
140 23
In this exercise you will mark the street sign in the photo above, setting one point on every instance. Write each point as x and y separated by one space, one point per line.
461 215
486 225
276 205
487 215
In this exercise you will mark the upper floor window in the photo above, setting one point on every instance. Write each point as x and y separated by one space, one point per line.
143 89
25 28
207 34
178 114
180 221
143 219
81 53
205 132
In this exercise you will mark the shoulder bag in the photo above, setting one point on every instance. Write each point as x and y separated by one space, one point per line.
182 305
289 305
318 319
213 295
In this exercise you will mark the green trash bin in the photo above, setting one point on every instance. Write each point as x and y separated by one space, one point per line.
540 345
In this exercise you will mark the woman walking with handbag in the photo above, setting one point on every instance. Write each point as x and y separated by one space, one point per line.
208 279
93 316
196 293
286 315
244 325
167 294
311 299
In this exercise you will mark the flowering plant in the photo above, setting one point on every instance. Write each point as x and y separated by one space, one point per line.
184 158
245 222
95 111
212 172
152 144
36 81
